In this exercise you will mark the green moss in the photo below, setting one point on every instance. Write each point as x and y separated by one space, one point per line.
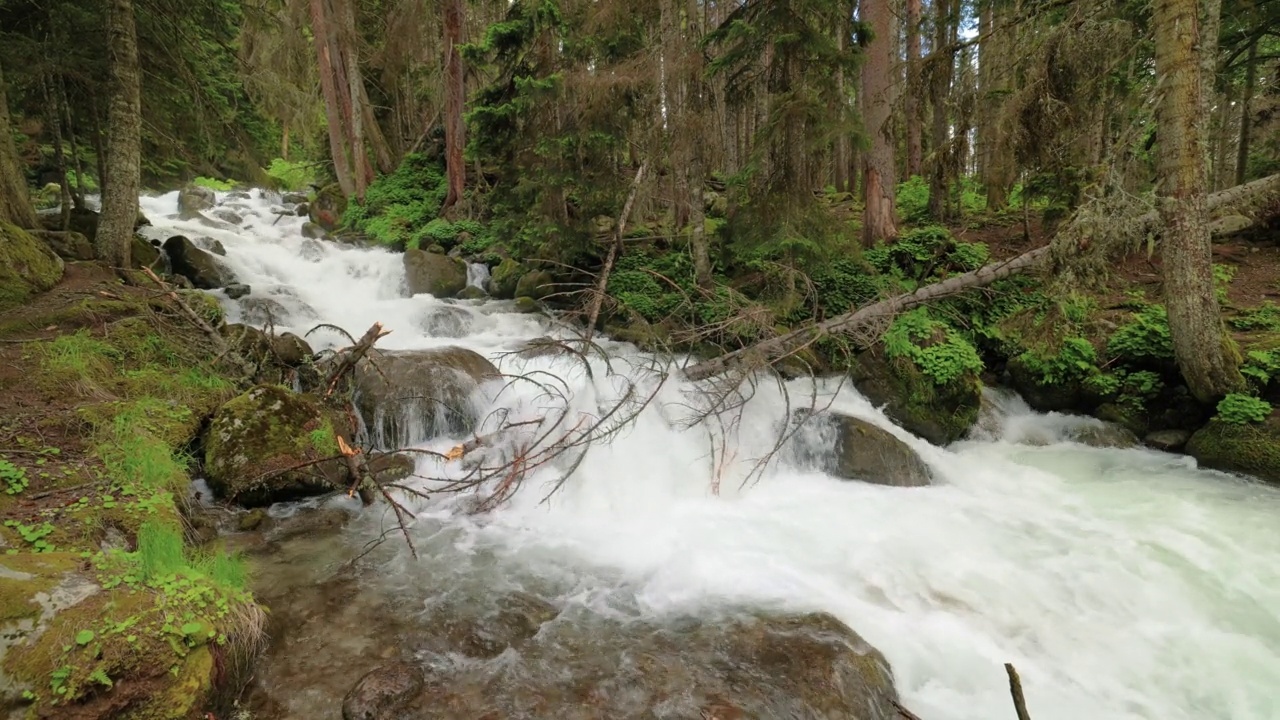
1249 449
505 277
27 266
938 413
935 349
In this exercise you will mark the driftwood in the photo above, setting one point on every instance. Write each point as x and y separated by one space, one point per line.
598 297
1257 201
351 356
1015 689
219 343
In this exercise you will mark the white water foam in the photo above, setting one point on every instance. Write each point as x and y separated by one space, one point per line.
1123 584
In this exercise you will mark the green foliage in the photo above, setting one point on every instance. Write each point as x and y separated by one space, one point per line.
925 253
401 209
1076 359
937 350
912 200
1261 366
1144 339
33 534
1263 317
1222 277
969 256
213 183
845 284
160 551
1240 409
292 175
14 478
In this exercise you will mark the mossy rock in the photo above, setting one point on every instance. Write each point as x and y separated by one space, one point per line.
505 277
940 414
854 449
27 266
1061 397
69 245
199 266
328 207
258 443
1252 449
537 284
434 273
471 292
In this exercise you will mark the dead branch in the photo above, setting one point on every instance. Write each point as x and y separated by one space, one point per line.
218 342
1015 689
349 358
905 712
598 297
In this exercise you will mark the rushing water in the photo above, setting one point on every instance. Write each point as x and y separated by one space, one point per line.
1122 583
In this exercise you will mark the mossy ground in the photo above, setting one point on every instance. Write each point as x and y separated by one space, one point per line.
104 387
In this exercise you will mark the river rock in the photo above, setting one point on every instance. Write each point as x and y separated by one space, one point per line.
235 291
471 292
302 210
328 207
147 253
312 230
198 266
854 449
383 692
291 349
1252 449
1046 397
940 415
256 442
27 266
262 310
505 277
229 216
1167 440
447 321
293 198
1103 435
407 397
69 245
214 246
525 305
194 198
434 273
537 285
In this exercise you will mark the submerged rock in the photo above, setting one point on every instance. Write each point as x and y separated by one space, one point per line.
27 266
471 292
198 266
383 692
257 443
312 231
407 397
447 321
235 291
1103 435
434 273
854 449
194 198
1252 449
229 216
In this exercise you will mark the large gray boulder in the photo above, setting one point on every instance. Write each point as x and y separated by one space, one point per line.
854 449
434 273
411 396
194 198
198 266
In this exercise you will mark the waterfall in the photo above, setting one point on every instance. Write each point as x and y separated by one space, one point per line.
1123 584
478 275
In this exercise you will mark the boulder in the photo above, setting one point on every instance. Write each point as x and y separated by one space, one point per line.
27 266
69 245
194 198
229 216
505 277
235 291
256 444
471 292
1252 449
537 285
434 273
262 310
312 230
198 266
391 468
525 306
214 246
407 397
854 449
293 198
1063 397
940 415
1103 435
302 210
1167 440
328 207
383 692
146 253
447 321
291 350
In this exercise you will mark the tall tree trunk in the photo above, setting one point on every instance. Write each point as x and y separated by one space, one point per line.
1195 322
1246 113
284 141
695 105
454 98
124 139
15 204
911 104
321 31
52 113
99 149
78 196
879 219
939 96
351 87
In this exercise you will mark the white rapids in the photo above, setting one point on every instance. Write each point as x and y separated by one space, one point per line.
1123 584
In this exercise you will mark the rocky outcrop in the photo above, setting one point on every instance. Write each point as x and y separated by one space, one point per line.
537 285
939 414
854 449
259 444
328 207
434 273
407 397
198 266
471 292
27 266
1252 449
194 198
293 198
505 277
291 349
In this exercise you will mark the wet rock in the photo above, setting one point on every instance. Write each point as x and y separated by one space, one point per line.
525 305
1251 449
196 265
235 291
447 321
194 198
212 245
291 350
854 449
252 520
312 250
262 310
229 216
328 207
407 397
27 266
293 198
940 415
536 285
383 692
302 210
471 292
69 245
146 253
1167 440
312 230
257 441
1062 396
238 195
434 273
1103 435
505 277
391 468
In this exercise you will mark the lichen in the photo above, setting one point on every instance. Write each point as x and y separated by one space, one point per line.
27 266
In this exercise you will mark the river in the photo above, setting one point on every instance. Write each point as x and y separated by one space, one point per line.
1123 584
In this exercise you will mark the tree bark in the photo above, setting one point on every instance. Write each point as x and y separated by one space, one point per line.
879 218
15 203
454 98
911 104
1195 321
124 139
78 196
53 111
1246 113
321 30
939 96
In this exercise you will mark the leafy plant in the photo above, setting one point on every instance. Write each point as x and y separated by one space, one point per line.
1239 409
213 183
1145 338
291 175
1222 277
1074 360
1263 317
14 478
935 348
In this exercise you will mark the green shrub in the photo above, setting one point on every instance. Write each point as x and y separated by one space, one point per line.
1076 359
1261 366
398 208
1222 277
912 200
291 175
1145 338
213 183
1240 409
937 350
1263 317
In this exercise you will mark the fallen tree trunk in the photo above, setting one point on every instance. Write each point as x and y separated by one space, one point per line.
1257 200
